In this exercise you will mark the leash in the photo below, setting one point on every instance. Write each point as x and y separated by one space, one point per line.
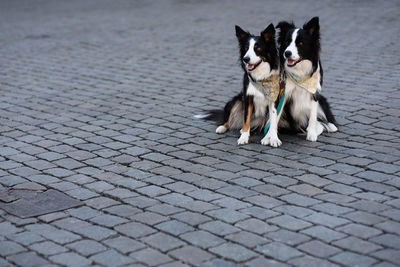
282 98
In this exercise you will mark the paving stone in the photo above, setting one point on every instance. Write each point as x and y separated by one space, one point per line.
389 226
191 218
323 233
153 190
299 200
325 219
264 201
7 228
295 211
9 248
163 242
227 215
111 258
218 228
388 240
191 255
364 217
108 220
247 239
318 249
306 189
124 244
26 238
28 259
47 248
289 222
149 218
359 230
70 259
391 255
288 237
101 202
202 239
331 208
134 229
174 227
357 245
84 213
150 257
278 251
165 209
86 247
352 259
260 261
311 261
233 252
255 226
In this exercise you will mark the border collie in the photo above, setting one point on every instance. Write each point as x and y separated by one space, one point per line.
261 87
305 108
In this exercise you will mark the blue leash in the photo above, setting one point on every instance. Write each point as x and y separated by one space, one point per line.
278 110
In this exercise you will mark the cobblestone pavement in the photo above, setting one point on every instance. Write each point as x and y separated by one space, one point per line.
97 99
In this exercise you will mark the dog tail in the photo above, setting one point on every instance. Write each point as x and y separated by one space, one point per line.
216 115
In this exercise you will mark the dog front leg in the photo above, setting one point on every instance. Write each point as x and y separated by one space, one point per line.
271 138
314 128
245 132
222 128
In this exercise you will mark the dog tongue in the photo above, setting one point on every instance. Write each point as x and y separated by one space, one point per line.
291 62
250 66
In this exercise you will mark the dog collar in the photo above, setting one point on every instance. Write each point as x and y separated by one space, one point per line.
308 83
268 87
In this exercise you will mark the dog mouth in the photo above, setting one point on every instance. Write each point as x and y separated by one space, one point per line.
293 62
251 67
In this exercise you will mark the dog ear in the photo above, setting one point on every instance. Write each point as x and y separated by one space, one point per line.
269 33
241 34
284 27
312 27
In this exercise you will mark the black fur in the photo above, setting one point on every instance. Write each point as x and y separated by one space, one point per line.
308 46
266 49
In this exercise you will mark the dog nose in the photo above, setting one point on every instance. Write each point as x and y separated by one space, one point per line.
288 53
246 59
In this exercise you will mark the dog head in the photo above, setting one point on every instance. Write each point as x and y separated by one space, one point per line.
258 54
299 47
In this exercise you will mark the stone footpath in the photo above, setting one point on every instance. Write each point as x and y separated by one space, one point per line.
97 101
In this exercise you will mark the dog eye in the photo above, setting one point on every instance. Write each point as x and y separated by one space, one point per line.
300 43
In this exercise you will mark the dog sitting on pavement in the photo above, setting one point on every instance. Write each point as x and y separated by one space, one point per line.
305 108
261 88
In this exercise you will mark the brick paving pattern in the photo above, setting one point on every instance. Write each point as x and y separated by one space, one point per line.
97 101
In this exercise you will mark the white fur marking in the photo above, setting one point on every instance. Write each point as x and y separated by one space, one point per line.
292 47
251 54
271 138
244 138
313 130
200 116
221 129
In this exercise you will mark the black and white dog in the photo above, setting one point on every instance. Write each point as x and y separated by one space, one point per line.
260 62
305 108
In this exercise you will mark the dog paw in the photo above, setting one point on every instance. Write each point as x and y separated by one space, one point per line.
331 128
221 129
244 138
272 141
312 136
275 142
